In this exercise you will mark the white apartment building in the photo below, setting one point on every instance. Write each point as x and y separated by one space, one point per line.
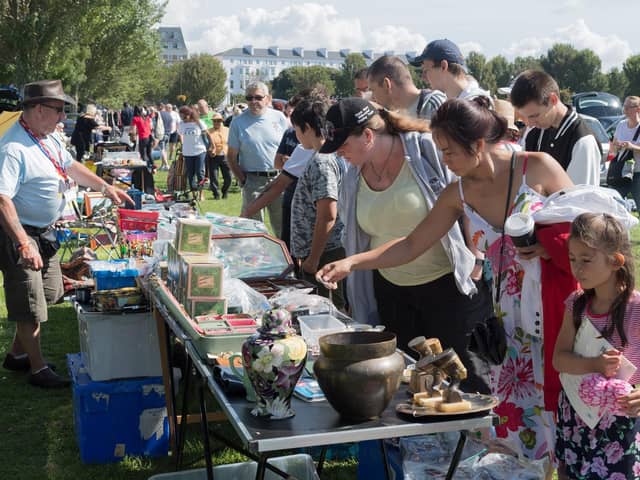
246 64
173 47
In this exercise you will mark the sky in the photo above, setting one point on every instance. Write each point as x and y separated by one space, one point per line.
508 27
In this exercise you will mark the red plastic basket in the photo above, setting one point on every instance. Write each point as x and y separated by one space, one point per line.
137 220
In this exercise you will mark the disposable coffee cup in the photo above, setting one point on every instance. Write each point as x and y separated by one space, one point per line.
521 228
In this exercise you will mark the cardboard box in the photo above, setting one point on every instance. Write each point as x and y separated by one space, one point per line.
201 277
193 236
212 306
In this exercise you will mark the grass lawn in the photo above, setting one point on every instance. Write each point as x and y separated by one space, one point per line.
38 438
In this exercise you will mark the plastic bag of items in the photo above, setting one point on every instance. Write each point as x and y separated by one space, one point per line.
301 302
244 299
429 456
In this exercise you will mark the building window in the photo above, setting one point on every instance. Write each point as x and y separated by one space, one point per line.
231 84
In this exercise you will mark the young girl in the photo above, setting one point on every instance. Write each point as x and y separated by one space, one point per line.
600 256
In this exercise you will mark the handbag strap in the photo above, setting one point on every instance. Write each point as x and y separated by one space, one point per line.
506 212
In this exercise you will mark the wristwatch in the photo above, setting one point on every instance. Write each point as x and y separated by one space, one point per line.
479 261
104 188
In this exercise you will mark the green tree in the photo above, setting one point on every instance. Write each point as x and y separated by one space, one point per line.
201 76
103 49
344 78
501 70
631 69
520 64
558 63
617 82
292 80
586 72
479 69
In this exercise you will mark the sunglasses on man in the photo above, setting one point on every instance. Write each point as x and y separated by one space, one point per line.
251 98
57 109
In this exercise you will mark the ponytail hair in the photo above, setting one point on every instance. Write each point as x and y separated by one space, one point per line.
467 121
603 232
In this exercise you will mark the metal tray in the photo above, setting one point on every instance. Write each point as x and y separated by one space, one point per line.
479 404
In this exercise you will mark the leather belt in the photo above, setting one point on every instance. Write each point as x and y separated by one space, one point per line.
268 173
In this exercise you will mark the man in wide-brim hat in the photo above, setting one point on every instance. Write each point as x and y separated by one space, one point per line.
35 172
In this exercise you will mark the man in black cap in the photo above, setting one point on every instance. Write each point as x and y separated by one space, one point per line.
35 169
444 68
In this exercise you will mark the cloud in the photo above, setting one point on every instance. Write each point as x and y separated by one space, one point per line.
315 25
310 25
611 49
467 47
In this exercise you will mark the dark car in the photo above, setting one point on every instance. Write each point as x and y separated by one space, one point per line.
606 107
611 129
10 99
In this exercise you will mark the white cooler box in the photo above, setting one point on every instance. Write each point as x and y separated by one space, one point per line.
118 345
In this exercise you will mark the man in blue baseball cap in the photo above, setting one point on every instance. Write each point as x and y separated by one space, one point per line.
444 68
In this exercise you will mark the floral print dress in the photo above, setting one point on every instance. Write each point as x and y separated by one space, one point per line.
518 382
611 450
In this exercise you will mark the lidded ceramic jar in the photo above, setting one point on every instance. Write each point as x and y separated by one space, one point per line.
274 359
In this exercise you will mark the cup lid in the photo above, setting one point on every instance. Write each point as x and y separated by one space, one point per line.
518 224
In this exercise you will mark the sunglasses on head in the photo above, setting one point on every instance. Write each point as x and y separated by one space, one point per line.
250 98
57 109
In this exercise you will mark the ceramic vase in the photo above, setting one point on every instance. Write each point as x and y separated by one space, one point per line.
274 359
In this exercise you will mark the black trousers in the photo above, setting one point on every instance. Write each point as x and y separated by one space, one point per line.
436 310
144 147
215 163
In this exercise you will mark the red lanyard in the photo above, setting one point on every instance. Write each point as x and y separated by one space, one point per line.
58 165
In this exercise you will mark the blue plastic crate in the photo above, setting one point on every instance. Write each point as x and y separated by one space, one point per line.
108 280
118 418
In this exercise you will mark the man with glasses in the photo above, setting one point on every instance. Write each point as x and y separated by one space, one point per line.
35 170
557 129
254 136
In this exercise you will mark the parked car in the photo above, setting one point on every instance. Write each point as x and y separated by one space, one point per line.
603 139
611 129
10 99
606 107
70 123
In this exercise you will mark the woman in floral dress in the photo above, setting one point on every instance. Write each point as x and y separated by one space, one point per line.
469 135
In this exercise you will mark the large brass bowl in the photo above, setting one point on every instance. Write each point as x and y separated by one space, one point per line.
359 372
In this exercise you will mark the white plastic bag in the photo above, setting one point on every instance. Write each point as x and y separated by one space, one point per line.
565 205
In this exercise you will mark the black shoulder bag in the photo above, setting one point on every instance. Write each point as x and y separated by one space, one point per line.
489 339
615 178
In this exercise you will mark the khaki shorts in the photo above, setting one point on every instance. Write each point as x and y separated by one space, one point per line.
27 292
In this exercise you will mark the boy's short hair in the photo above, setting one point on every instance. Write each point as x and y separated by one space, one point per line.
312 112
533 86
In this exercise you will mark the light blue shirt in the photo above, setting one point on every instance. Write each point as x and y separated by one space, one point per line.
257 139
28 177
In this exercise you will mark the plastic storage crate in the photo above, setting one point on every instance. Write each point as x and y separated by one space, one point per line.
137 220
298 466
112 274
115 419
115 345
107 280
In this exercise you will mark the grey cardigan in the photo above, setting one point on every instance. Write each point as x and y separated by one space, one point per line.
432 176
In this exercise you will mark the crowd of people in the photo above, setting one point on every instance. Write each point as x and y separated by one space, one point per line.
393 202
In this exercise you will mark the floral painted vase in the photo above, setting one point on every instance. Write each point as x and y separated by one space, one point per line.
274 359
